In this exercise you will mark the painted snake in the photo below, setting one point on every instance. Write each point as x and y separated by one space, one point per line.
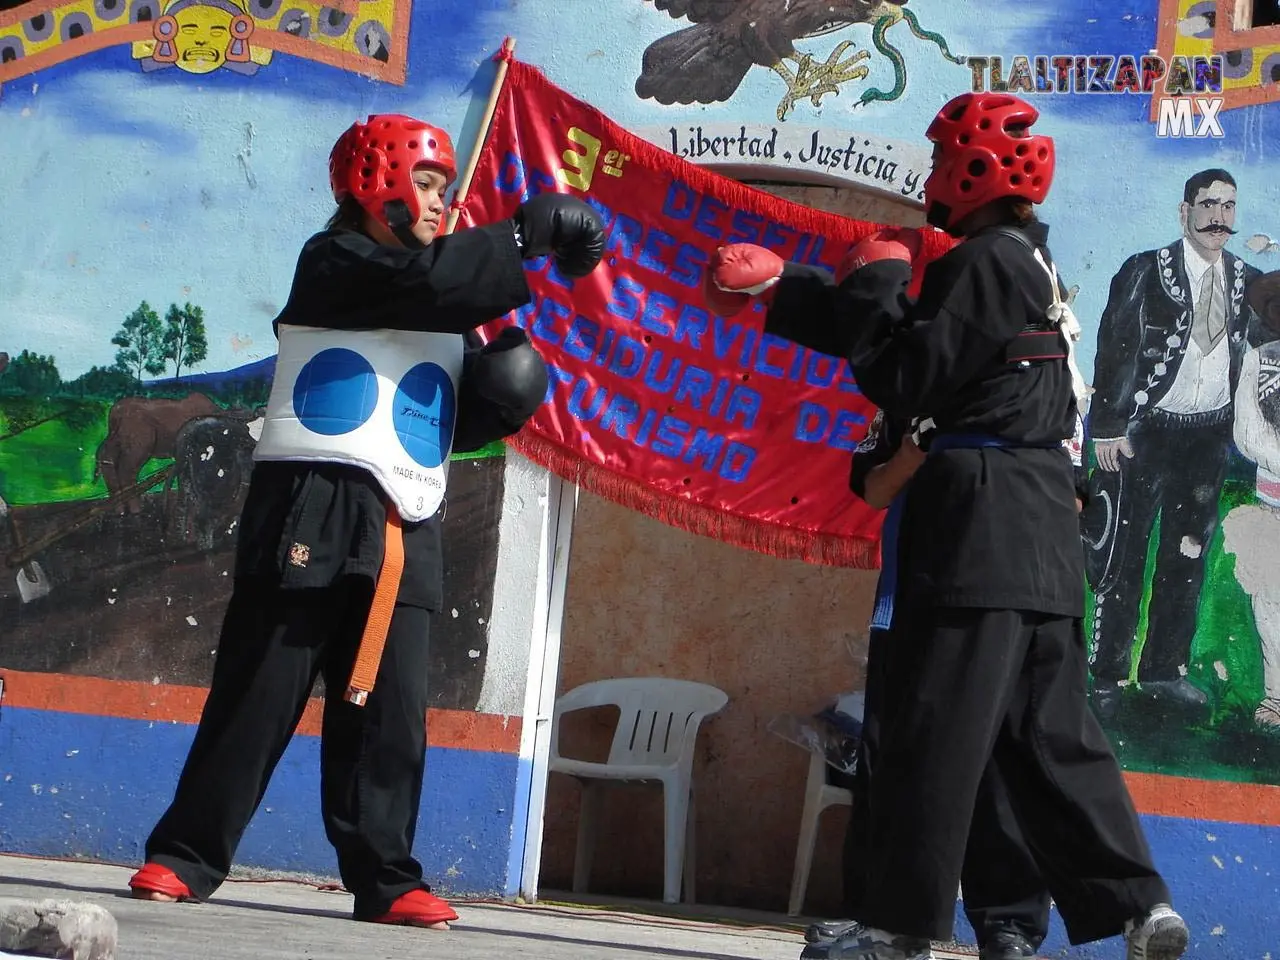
879 38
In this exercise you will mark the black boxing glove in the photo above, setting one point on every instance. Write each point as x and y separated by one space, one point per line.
564 227
511 374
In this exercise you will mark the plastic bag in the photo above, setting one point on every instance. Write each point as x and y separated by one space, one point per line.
834 730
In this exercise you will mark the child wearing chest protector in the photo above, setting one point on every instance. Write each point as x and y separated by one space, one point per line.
379 376
988 675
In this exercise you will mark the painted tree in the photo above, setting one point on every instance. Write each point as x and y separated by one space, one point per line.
185 340
31 375
106 383
28 384
141 342
32 394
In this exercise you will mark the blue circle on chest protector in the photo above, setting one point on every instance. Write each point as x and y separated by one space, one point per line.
423 414
335 393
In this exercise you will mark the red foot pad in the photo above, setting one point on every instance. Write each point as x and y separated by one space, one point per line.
153 878
418 908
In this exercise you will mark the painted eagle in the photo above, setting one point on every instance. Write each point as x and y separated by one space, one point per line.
706 62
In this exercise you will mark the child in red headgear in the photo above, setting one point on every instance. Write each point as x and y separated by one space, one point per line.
379 376
988 670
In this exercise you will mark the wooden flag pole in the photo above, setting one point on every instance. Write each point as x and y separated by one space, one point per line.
464 185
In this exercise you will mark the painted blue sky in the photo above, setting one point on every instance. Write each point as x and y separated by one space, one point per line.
193 188
203 188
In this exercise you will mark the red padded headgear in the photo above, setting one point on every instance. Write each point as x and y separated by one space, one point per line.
373 162
980 160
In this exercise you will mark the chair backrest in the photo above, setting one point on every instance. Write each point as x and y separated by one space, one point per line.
658 717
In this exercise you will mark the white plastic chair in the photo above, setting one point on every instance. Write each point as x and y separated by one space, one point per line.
654 741
818 795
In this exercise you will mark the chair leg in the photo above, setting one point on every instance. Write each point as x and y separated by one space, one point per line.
585 854
691 850
804 851
675 797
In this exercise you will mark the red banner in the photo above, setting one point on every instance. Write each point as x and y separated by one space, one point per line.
703 422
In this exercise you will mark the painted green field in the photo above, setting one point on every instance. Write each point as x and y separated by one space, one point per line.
53 463
1226 663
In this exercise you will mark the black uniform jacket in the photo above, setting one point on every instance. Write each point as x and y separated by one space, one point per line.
993 528
346 281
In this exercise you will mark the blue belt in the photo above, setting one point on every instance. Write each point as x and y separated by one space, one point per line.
887 586
975 441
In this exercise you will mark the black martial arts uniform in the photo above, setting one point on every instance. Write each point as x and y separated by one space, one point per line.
295 614
989 670
1002 888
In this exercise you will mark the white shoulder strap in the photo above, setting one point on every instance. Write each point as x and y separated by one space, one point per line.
1060 312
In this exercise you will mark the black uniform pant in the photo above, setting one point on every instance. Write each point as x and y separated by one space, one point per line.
1001 883
274 644
1178 467
968 690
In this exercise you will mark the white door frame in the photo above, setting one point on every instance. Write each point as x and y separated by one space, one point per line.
544 670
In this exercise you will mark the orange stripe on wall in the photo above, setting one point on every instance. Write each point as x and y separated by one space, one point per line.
169 703
1224 801
1212 800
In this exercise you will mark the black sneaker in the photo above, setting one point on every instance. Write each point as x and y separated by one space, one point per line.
1007 943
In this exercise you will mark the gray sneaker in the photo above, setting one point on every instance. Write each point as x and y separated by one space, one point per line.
1160 935
859 942
824 931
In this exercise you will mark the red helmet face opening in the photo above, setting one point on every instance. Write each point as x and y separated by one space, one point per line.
374 162
984 151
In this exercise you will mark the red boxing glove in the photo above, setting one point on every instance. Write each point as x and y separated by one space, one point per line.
890 243
737 273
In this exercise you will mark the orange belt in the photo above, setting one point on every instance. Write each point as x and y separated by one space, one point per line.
369 653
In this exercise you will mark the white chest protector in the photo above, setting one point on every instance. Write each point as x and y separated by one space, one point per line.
384 400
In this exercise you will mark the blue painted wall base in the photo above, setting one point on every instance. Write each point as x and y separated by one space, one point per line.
87 786
1220 874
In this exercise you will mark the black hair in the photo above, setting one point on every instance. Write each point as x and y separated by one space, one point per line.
1013 211
1203 180
1022 212
349 216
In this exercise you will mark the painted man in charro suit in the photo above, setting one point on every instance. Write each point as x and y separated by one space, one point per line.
1170 345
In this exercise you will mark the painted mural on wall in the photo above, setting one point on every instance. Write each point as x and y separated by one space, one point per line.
707 61
1163 419
119 502
137 351
220 113
201 36
1245 34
